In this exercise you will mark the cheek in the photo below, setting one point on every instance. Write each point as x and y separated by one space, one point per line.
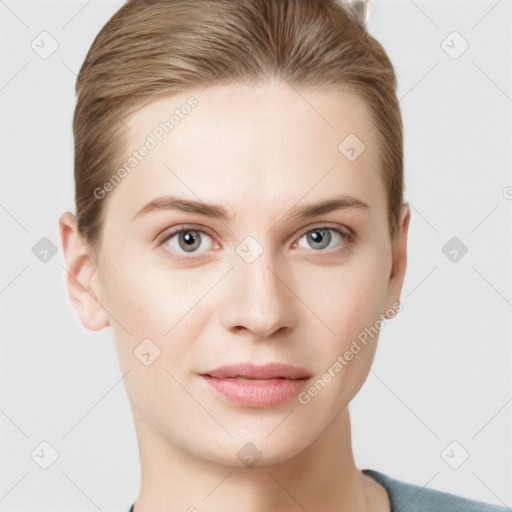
350 297
154 301
350 305
151 303
146 298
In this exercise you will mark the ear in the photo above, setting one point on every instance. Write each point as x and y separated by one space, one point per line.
81 275
399 260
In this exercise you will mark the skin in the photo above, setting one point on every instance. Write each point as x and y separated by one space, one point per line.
259 151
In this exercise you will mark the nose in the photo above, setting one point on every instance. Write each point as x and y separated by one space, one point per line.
258 298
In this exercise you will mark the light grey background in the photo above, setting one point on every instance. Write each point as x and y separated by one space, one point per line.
442 369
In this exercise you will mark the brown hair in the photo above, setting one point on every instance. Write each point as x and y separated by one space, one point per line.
151 48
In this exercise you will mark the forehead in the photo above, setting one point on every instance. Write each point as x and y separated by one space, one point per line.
251 147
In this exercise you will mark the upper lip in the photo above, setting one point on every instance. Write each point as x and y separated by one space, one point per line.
262 372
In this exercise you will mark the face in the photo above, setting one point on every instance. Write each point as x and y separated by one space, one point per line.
212 254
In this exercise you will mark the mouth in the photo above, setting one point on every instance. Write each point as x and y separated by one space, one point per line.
249 371
254 386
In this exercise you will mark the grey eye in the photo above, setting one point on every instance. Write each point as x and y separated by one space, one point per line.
320 238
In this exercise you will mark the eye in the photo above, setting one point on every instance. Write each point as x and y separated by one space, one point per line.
195 242
187 241
321 237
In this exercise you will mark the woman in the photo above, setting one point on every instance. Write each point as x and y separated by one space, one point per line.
241 227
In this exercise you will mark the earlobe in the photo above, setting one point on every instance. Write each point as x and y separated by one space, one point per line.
80 275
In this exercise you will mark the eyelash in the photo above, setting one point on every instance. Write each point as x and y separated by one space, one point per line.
347 237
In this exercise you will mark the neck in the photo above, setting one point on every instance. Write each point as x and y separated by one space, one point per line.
321 477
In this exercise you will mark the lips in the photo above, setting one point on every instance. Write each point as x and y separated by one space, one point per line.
259 372
257 386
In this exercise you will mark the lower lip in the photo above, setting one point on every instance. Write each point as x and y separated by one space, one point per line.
256 393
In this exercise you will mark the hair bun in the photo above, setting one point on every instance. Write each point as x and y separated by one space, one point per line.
359 9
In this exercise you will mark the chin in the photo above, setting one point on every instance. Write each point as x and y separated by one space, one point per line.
257 450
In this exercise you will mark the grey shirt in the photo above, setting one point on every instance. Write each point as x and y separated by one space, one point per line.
405 497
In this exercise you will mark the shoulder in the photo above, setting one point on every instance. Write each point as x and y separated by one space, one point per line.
406 497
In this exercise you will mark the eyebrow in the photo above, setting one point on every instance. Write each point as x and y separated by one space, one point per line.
340 202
